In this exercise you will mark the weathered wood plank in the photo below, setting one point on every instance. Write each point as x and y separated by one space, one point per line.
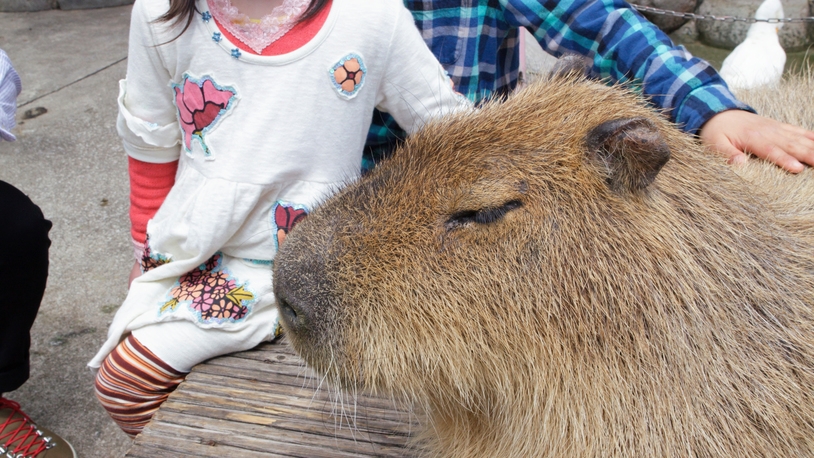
255 396
266 403
281 443
270 410
291 434
282 385
200 417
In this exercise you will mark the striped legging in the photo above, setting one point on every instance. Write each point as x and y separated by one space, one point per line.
132 383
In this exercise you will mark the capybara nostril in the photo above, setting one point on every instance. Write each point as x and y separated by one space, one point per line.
289 314
293 305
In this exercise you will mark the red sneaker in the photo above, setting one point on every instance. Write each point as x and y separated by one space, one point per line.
21 438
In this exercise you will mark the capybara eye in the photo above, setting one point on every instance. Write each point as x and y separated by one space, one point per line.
482 216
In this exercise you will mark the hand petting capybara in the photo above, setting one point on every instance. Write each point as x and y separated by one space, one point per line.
565 274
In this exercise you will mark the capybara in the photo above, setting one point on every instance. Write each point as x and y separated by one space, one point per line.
566 274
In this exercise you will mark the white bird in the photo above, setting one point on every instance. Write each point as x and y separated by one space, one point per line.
759 59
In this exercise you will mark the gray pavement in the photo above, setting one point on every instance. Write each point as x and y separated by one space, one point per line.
70 162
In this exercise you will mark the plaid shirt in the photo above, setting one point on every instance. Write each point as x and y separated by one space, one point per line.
477 43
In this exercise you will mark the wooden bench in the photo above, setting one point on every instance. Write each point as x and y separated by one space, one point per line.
266 403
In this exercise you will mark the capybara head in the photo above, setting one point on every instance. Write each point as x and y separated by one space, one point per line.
564 274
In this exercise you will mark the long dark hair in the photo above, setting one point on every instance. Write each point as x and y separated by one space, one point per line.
181 10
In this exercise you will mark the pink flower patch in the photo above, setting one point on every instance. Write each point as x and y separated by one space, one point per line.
200 105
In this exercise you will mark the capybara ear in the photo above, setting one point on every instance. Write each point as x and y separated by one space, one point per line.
571 65
631 150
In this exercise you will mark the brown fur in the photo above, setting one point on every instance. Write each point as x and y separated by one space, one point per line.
612 308
792 101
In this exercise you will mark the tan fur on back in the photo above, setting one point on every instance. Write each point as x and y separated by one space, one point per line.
792 101
677 320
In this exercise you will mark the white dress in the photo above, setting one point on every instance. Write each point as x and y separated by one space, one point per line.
261 141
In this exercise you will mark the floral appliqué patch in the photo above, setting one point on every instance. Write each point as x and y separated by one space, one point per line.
348 75
211 292
284 217
150 260
201 104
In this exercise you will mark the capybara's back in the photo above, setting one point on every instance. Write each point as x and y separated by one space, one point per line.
565 274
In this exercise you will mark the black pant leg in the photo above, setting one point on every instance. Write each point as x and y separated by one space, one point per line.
24 246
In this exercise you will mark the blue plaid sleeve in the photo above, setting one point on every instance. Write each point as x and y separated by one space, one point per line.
624 46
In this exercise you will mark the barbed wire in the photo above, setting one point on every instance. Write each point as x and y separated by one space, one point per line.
709 17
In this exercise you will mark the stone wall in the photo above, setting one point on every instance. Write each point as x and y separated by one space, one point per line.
796 36
665 22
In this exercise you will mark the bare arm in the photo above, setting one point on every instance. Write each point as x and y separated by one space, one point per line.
733 132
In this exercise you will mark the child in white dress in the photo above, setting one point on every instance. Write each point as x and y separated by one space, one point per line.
235 128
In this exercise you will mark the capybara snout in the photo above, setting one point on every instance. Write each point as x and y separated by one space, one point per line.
565 274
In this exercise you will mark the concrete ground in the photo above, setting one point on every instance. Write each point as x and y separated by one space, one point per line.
69 160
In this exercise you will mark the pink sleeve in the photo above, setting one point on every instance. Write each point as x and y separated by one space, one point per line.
149 185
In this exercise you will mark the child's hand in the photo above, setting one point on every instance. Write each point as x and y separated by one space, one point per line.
735 131
134 273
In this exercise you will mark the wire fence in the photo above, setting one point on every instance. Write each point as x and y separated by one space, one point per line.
710 17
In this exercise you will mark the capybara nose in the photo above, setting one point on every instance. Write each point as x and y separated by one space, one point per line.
299 286
293 312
